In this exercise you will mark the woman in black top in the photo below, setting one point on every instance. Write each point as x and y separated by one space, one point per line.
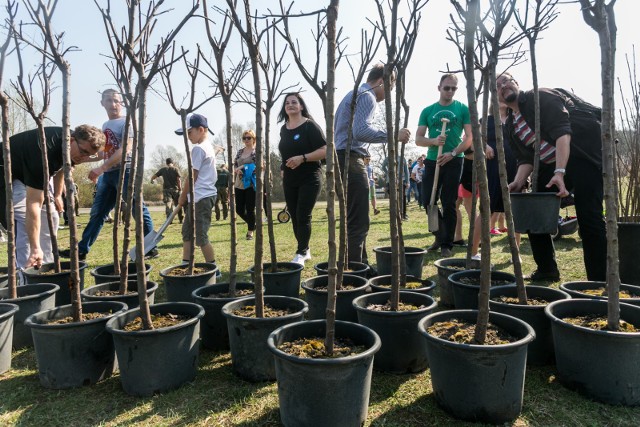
302 147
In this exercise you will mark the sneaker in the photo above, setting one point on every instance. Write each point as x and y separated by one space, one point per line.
446 252
550 276
495 232
153 253
476 257
376 211
66 253
434 246
460 242
502 230
249 235
307 254
298 259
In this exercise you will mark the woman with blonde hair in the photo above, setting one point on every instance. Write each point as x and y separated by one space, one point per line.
245 181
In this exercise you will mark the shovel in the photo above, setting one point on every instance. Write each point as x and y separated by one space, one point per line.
432 210
152 239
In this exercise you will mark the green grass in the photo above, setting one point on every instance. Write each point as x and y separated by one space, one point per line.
218 398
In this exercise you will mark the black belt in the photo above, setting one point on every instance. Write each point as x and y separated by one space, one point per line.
351 154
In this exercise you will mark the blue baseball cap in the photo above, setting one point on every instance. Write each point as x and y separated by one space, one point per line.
194 121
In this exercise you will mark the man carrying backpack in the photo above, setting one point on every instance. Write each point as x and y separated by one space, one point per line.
570 159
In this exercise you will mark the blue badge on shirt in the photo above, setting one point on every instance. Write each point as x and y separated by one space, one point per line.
296 137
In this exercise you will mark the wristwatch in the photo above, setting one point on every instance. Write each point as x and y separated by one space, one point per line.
560 170
453 153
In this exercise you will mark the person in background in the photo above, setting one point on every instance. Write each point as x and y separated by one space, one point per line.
416 176
244 167
302 147
451 159
203 160
107 176
33 237
363 132
372 185
464 196
222 184
171 187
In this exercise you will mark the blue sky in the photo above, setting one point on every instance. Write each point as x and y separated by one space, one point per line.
568 56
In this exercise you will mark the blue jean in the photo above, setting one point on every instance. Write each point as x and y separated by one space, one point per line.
103 202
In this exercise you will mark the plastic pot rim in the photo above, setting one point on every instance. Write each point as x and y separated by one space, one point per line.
48 292
165 272
497 289
323 362
308 287
585 301
155 308
381 313
31 322
226 311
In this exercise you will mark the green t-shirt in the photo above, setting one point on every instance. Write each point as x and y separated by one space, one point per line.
458 115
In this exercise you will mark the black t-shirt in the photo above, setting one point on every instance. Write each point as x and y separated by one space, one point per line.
26 156
170 177
223 178
304 139
26 161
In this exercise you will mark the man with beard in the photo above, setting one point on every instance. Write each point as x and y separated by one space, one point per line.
570 158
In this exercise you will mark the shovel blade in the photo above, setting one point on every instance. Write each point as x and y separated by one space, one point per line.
433 218
151 240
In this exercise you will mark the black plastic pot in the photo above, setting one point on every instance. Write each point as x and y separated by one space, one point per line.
478 382
250 355
285 283
575 289
324 392
77 353
104 273
383 284
403 348
600 364
213 328
628 249
413 260
161 359
63 296
31 299
180 288
354 268
7 311
317 298
446 267
131 298
465 296
535 212
540 351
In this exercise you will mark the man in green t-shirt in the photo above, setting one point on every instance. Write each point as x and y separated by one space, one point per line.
453 146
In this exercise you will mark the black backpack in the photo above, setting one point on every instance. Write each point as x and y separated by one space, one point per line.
580 104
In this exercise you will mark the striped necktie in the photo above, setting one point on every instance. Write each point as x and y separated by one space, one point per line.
527 137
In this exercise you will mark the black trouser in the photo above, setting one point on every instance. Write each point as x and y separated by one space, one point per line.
357 207
300 196
585 179
447 193
222 199
246 206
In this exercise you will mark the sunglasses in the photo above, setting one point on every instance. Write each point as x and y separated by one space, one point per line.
503 83
450 88
247 138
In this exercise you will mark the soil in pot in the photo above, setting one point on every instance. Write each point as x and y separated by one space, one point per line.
183 271
599 323
355 268
461 332
629 294
446 267
110 291
105 274
159 321
466 286
285 281
314 348
413 284
47 274
179 286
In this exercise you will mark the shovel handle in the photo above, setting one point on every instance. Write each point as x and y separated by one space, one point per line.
436 175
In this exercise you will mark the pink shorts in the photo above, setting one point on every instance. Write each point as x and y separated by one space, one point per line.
463 193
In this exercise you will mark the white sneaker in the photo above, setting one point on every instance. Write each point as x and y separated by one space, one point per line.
299 259
476 257
307 255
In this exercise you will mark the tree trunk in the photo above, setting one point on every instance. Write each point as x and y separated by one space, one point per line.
267 184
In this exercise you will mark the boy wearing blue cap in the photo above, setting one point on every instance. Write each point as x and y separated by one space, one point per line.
203 160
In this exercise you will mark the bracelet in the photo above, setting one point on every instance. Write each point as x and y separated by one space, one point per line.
560 170
304 159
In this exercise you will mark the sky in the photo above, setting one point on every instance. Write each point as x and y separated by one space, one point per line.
568 56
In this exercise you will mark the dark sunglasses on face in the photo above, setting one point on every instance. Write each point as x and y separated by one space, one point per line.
450 88
247 138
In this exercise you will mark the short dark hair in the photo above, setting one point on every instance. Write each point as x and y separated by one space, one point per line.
377 72
110 92
169 161
447 76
